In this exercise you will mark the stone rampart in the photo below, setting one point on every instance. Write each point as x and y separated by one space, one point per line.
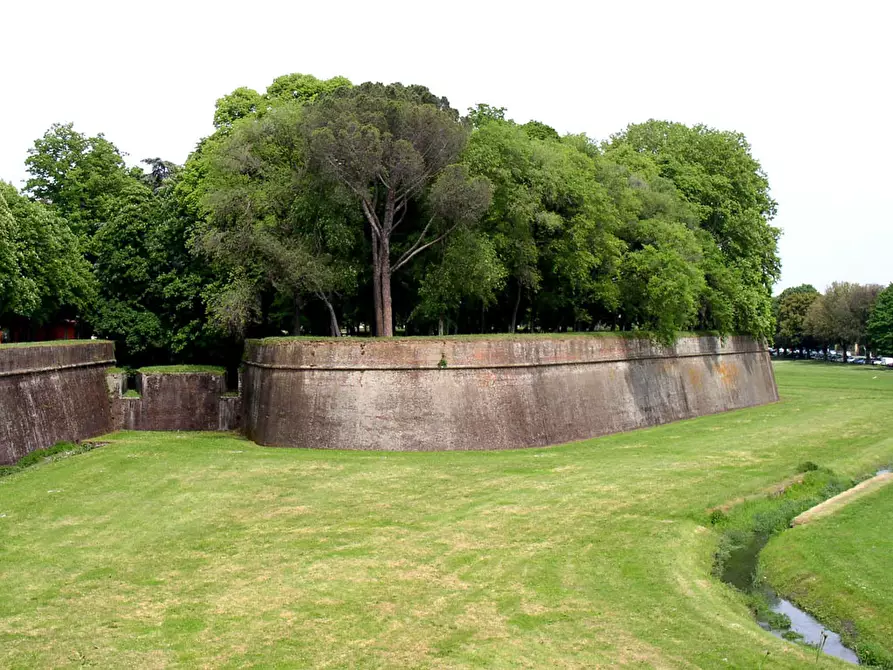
52 393
432 394
175 401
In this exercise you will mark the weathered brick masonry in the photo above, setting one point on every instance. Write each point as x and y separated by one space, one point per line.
465 394
175 401
52 393
396 395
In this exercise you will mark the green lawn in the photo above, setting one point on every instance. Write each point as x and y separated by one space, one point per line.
840 569
204 550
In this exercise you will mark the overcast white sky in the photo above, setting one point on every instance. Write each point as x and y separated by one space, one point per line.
809 83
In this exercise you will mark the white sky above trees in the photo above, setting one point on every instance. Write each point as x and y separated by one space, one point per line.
809 84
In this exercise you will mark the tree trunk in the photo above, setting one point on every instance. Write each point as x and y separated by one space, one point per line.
384 262
333 318
376 283
844 353
296 322
515 310
440 325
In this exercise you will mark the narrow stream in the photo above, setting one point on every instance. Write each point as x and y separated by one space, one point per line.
812 631
740 571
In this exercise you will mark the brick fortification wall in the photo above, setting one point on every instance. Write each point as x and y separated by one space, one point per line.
466 394
175 401
52 393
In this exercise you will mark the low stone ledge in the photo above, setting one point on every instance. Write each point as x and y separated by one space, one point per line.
175 398
16 359
473 353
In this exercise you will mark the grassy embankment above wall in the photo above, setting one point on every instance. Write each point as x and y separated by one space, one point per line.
50 343
165 549
625 334
839 569
182 369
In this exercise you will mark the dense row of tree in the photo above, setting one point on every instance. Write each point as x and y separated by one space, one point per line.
845 315
323 207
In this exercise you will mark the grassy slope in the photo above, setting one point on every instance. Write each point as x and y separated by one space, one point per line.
839 568
203 549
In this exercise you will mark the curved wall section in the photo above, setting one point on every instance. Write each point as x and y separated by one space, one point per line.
52 393
431 394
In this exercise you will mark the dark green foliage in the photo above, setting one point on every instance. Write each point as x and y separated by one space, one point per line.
792 309
43 274
151 284
874 655
320 207
880 324
841 314
807 466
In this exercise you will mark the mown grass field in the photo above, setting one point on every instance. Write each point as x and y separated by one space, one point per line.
840 568
205 550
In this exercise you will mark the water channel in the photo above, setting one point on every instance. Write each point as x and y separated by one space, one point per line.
740 571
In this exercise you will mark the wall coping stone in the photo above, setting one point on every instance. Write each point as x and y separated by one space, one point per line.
480 353
46 357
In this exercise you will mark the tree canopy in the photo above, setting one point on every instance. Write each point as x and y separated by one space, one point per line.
841 314
43 273
318 206
880 323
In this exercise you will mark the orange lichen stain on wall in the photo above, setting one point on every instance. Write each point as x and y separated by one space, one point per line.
695 377
728 372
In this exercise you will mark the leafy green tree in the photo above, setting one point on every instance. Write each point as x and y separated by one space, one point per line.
44 275
553 223
240 104
273 224
589 242
793 307
150 285
246 102
469 269
841 315
15 293
661 279
500 152
80 177
303 87
392 149
716 174
880 323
